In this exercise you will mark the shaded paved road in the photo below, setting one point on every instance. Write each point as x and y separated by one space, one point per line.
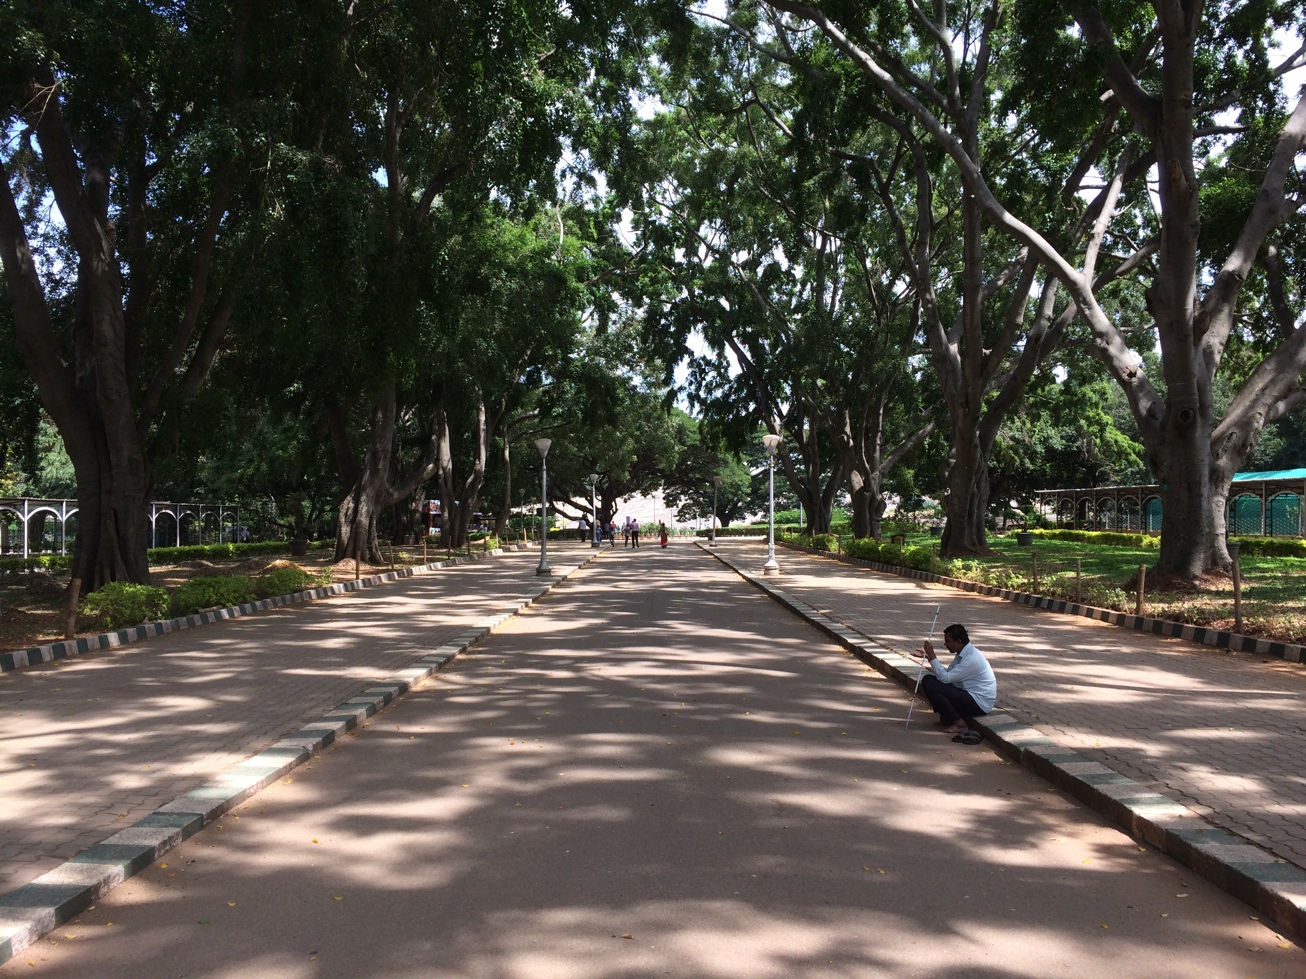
1220 732
657 771
93 743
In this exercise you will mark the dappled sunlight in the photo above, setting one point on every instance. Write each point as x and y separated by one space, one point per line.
123 731
1141 704
611 803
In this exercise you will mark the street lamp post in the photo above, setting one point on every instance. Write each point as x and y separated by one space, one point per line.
772 443
594 511
543 445
716 485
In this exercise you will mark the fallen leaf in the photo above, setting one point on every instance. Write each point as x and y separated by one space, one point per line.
315 839
627 935
164 866
1088 861
1181 895
1165 914
339 898
231 904
1285 944
1105 926
878 871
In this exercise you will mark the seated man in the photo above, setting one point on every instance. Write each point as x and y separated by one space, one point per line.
966 688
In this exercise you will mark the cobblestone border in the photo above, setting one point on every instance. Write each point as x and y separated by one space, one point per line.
50 652
35 909
1235 641
1271 885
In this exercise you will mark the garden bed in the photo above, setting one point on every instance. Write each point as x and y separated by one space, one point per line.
1273 587
32 604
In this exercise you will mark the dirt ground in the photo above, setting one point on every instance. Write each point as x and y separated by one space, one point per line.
32 605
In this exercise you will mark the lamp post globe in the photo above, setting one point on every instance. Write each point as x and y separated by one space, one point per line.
771 443
716 485
595 535
542 444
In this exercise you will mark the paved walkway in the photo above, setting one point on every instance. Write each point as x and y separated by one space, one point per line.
1223 733
658 771
93 743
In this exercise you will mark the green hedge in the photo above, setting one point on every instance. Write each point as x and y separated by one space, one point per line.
201 593
283 581
1108 537
121 604
223 552
818 542
1271 546
46 562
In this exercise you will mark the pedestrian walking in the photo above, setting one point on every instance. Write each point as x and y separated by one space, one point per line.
662 534
634 532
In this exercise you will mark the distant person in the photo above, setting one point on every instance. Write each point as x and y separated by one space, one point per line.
582 528
965 688
662 534
634 532
625 532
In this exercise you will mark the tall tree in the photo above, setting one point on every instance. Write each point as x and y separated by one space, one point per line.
138 122
1164 104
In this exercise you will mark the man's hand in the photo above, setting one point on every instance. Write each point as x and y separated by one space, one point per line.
927 650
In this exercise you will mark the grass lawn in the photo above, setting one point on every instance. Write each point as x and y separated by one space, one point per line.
1273 591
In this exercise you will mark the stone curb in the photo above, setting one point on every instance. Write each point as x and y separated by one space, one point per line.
1273 886
1235 641
35 909
64 649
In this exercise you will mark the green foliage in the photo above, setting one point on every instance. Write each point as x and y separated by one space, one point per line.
871 550
1108 537
201 593
1271 547
54 563
222 552
281 581
120 604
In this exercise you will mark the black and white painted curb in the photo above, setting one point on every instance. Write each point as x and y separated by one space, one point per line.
111 640
1234 641
1273 886
34 909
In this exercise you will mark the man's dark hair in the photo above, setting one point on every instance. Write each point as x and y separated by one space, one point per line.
957 633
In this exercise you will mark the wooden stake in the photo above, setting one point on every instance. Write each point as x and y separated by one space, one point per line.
1142 587
425 538
70 621
1237 590
1033 559
392 555
1079 579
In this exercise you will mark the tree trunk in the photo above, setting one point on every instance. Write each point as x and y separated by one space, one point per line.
967 503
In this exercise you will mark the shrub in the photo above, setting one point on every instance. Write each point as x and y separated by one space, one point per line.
1272 547
120 604
53 563
872 550
281 581
1108 537
202 593
920 557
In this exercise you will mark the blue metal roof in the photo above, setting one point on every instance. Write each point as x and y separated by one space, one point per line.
1271 474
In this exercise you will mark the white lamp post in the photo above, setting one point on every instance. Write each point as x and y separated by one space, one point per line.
543 446
594 511
772 443
716 485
